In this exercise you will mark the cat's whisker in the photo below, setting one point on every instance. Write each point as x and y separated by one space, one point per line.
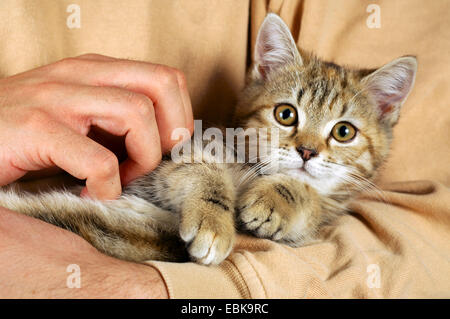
357 180
367 187
372 187
250 171
293 108
253 171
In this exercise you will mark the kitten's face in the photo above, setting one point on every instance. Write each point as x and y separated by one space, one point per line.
334 124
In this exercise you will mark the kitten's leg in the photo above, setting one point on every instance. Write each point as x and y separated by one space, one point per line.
280 208
129 228
204 195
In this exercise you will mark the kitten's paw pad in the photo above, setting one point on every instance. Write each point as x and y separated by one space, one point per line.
209 235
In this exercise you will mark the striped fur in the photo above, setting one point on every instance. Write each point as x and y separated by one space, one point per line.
192 210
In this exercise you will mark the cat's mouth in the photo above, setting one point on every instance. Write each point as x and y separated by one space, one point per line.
301 171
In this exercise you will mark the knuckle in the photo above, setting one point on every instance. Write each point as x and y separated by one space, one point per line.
167 76
141 105
35 119
106 163
62 67
67 64
40 93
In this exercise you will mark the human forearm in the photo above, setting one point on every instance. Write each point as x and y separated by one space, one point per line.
34 261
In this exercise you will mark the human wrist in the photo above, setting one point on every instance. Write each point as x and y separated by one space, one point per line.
140 281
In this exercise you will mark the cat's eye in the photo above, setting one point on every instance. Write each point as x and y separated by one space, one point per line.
286 114
343 132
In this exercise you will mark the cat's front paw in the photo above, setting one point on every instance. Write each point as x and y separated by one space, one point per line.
265 217
208 229
269 209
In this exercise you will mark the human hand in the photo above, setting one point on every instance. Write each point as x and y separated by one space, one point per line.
47 113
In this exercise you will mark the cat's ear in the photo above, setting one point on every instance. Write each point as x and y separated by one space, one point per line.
390 85
274 47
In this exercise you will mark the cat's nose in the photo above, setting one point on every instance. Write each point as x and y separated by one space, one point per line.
306 153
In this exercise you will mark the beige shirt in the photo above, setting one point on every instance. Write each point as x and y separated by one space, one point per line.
398 247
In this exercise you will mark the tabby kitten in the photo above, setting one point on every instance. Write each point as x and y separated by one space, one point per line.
335 128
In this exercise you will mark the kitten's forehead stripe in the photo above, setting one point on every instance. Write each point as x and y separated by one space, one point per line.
332 99
313 96
344 109
344 80
299 96
306 100
320 93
